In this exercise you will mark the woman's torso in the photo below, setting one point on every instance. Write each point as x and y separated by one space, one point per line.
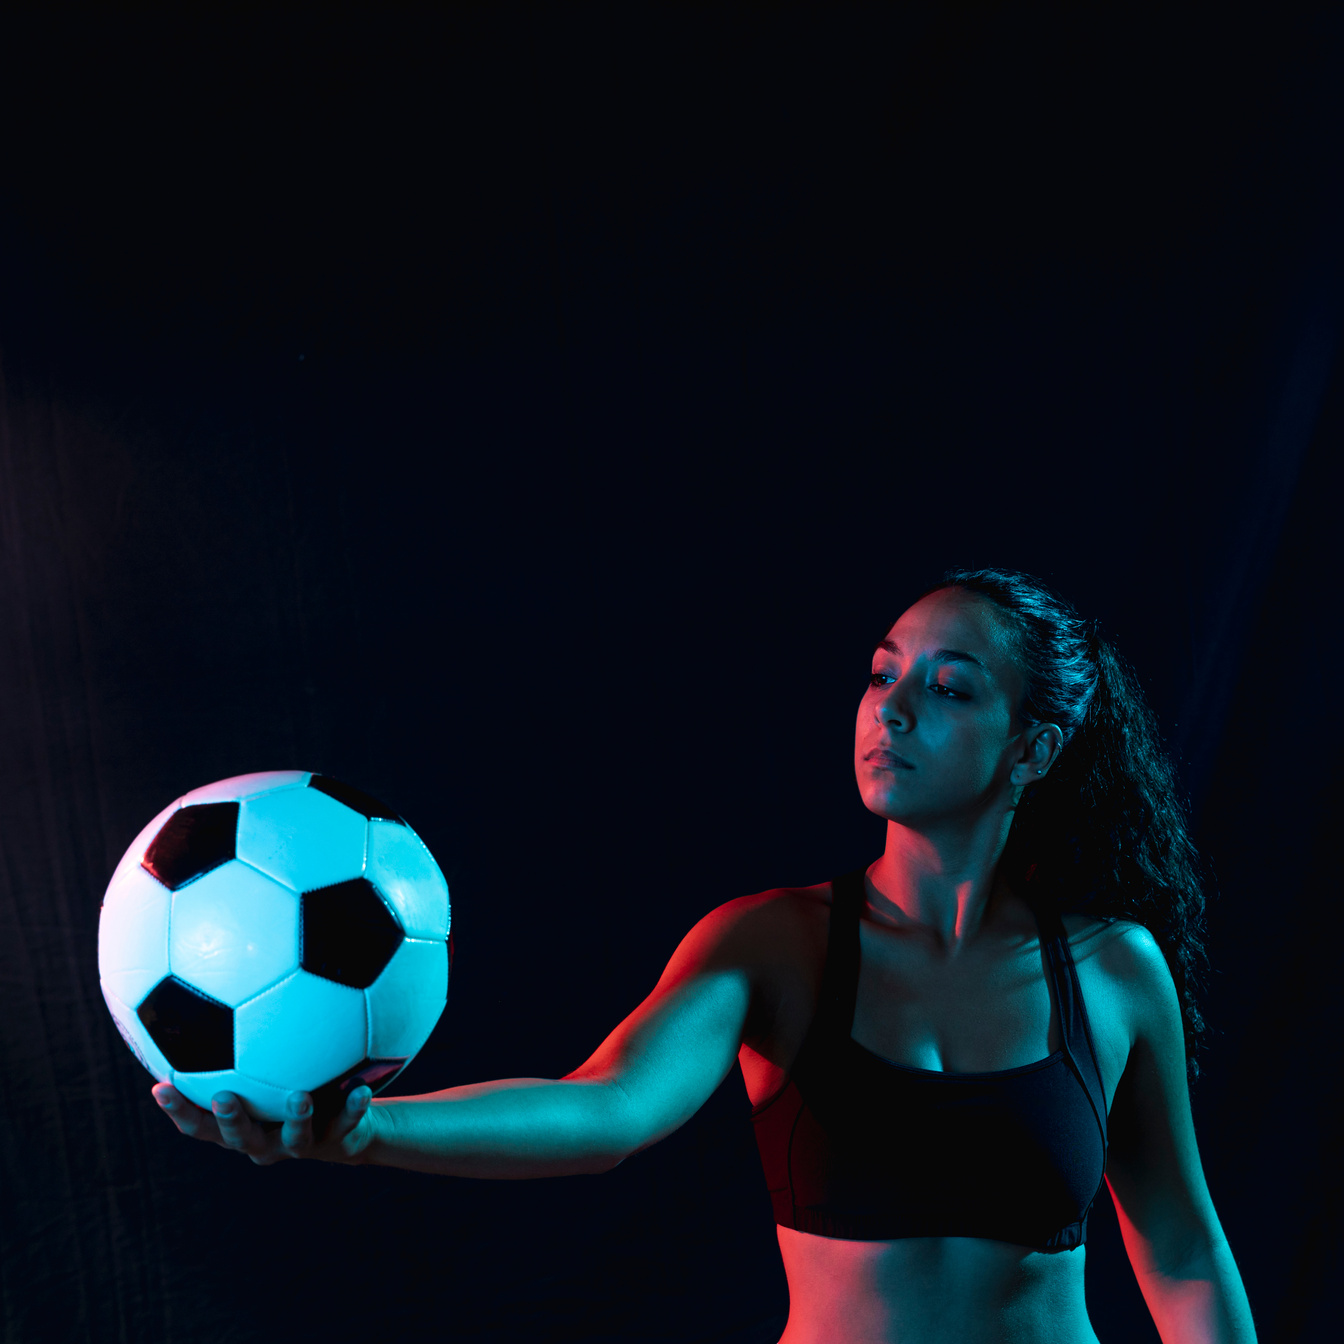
986 1009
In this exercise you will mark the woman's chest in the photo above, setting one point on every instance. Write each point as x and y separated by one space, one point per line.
993 1007
986 1007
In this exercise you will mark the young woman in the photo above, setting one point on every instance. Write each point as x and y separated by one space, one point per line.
945 1051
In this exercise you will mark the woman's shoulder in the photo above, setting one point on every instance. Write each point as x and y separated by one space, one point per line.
1123 967
778 938
768 924
1123 949
766 930
1126 986
782 902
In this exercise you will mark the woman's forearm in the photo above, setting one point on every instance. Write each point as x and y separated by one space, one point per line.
512 1129
1201 1302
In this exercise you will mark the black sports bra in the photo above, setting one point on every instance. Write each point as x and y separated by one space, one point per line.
855 1146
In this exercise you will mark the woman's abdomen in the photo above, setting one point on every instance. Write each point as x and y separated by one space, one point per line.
931 1290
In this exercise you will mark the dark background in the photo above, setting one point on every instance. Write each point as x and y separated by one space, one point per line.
533 415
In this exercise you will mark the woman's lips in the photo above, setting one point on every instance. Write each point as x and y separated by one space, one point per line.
884 759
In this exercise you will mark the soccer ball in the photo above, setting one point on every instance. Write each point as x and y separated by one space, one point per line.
272 933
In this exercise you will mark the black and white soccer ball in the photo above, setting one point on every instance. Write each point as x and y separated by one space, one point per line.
272 933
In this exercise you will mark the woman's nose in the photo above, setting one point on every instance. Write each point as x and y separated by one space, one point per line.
892 710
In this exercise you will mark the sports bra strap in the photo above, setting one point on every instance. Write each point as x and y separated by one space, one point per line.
840 975
1074 1030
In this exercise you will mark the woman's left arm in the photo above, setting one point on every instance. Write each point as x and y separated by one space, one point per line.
1176 1245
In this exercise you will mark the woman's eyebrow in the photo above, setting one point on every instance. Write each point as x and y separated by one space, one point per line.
939 655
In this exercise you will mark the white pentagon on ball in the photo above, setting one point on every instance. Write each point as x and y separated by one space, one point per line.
275 932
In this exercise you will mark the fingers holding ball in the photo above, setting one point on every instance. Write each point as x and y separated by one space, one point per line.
236 1128
355 1109
189 1118
302 1133
296 1133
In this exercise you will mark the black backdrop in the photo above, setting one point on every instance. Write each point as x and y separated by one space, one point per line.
532 416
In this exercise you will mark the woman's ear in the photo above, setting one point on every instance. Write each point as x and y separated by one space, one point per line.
1040 750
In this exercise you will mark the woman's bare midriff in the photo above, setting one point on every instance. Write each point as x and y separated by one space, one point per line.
931 1290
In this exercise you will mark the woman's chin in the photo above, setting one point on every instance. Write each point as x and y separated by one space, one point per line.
891 804
909 807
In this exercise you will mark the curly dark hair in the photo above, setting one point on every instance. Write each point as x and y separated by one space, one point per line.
1104 832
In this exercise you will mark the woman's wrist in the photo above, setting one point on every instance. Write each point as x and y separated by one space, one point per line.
361 1143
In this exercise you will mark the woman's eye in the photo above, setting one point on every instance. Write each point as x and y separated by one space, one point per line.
945 692
880 679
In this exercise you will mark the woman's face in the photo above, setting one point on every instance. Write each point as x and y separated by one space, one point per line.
938 733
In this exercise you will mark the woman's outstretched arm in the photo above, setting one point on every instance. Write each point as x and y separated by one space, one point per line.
1175 1242
647 1078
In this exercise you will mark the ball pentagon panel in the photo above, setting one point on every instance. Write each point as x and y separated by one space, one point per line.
192 842
133 935
302 837
375 1074
234 932
356 799
131 858
349 933
133 1032
301 1033
408 998
402 868
193 1031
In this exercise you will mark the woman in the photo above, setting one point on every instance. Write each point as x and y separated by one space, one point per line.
943 1051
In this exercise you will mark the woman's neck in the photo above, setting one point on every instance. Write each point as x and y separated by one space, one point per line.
939 880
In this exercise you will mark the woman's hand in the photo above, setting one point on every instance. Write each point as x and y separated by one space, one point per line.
228 1124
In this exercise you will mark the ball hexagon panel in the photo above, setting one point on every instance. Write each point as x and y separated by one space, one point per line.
408 998
301 1033
260 1100
234 931
133 1032
133 935
192 842
193 1031
356 799
349 934
131 858
402 868
301 837
239 787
